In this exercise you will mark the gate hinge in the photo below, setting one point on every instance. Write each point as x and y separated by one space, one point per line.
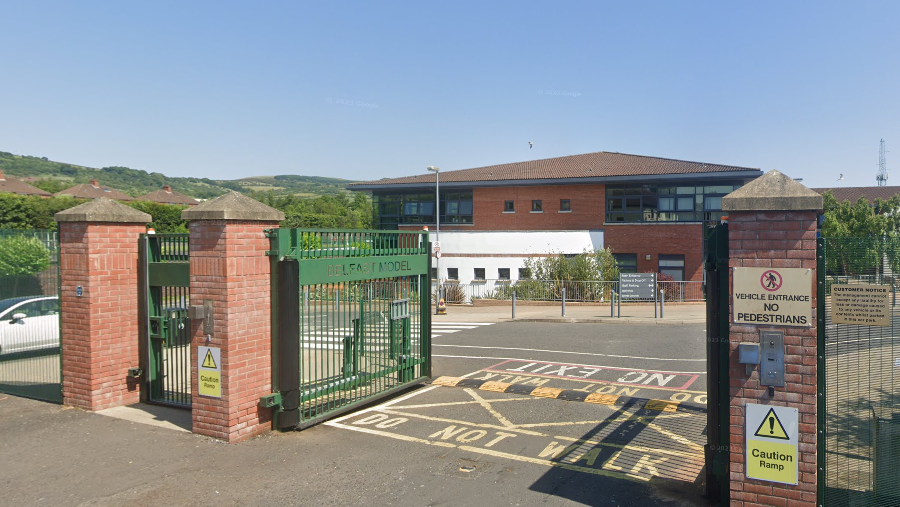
270 400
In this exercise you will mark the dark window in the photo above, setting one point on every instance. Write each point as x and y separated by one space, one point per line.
434 273
524 273
672 265
565 205
392 210
627 263
666 202
509 206
452 273
479 273
503 273
537 206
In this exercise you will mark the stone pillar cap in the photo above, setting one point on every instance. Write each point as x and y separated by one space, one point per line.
103 209
773 191
233 206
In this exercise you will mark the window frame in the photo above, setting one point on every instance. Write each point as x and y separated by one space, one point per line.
509 206
565 205
537 206
476 278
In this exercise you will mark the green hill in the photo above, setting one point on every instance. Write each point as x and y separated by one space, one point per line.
55 176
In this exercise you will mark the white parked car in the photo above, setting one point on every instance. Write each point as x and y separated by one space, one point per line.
29 323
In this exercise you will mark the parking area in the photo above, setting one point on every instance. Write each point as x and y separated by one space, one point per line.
584 398
517 413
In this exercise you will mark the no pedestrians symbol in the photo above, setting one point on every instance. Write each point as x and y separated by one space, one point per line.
771 280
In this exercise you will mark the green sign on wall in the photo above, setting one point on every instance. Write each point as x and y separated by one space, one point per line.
336 270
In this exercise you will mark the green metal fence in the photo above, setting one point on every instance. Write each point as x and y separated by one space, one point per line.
165 297
351 322
859 372
30 361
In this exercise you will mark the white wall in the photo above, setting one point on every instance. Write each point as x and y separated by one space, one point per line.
491 250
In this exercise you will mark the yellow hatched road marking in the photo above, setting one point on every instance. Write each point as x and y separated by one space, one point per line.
487 406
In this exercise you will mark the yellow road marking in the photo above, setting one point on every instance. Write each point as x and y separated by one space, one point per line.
447 381
601 399
662 405
467 423
546 392
487 406
492 452
675 436
497 387
451 403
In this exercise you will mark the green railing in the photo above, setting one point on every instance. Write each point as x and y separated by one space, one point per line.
859 377
350 322
166 296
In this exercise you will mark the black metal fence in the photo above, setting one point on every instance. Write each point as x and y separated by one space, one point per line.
859 373
30 363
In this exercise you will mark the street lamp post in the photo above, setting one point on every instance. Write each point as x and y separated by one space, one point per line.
437 236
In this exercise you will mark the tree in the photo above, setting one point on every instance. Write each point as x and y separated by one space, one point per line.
22 257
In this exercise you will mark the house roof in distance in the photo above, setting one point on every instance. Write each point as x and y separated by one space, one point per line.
93 190
598 167
166 195
853 194
12 185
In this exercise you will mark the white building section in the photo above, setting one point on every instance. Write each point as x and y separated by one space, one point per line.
489 252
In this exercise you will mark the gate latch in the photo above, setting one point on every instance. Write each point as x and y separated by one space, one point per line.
270 400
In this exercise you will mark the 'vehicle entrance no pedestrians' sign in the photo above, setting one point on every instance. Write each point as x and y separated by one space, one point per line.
772 296
771 435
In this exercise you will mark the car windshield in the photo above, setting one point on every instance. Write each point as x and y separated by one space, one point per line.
6 304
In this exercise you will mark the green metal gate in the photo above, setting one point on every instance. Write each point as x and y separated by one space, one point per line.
717 354
165 297
859 376
352 321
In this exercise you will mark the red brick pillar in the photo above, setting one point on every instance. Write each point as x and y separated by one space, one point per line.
230 268
98 243
772 224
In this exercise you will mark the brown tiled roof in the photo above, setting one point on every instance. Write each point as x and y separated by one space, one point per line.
12 185
853 194
166 195
93 190
589 165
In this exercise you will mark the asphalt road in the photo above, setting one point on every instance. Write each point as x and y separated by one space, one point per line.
434 445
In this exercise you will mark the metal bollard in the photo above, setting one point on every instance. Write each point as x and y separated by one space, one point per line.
662 304
564 302
306 300
612 303
337 300
514 305
619 305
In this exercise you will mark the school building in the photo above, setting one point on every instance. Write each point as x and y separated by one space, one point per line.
653 213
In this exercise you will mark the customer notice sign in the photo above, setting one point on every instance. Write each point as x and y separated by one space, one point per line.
772 296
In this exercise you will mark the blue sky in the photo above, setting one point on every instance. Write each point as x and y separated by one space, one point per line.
366 90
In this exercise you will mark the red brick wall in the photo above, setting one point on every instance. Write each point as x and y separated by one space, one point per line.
99 334
777 240
588 212
229 266
656 239
588 205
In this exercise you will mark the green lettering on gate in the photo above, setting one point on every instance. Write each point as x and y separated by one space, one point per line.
335 270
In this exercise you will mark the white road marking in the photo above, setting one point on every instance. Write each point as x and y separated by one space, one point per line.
585 365
568 352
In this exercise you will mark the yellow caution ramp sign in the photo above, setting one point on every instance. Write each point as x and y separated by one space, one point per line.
771 436
209 372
